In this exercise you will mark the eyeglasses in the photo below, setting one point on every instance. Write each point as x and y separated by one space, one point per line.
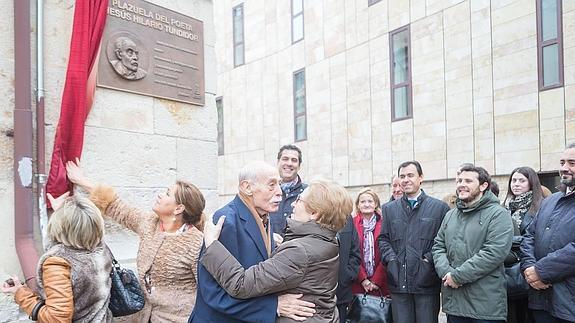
298 198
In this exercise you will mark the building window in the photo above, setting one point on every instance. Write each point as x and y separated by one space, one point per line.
220 108
400 64
300 121
370 2
296 20
239 48
549 44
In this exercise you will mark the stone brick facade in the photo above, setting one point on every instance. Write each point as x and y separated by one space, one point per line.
474 81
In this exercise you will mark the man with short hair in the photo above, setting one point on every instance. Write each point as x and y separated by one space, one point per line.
247 236
469 252
548 250
289 164
396 189
407 232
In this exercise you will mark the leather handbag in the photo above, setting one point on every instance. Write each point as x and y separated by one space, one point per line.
517 286
126 295
370 309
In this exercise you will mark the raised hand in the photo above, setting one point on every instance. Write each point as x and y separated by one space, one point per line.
76 175
57 203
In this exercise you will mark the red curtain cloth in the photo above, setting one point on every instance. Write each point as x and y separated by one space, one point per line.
88 27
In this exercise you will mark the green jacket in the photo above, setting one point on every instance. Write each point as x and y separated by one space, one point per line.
472 244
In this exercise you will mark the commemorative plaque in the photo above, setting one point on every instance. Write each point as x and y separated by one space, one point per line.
151 50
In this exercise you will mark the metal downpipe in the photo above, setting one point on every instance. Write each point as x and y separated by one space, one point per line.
41 176
23 197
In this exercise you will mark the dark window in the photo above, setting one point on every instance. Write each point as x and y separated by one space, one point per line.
300 122
400 64
238 18
549 44
296 20
551 180
220 108
370 2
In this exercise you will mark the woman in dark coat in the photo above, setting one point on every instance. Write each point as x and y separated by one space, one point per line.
305 263
524 196
349 262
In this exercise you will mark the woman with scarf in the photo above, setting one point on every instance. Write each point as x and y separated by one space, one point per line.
524 196
372 277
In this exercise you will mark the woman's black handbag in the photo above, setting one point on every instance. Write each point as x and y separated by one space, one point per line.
126 296
370 309
517 286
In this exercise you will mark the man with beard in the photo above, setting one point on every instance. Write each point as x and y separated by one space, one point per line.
289 164
246 235
469 251
407 232
548 250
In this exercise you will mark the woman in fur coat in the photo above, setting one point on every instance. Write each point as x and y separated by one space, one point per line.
170 242
74 273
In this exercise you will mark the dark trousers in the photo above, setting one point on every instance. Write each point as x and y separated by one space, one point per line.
545 317
461 319
415 308
342 309
518 311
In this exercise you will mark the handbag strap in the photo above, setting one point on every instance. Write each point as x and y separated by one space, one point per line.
115 263
382 297
36 310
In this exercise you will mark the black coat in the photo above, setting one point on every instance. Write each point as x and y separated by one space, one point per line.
549 245
349 261
405 244
278 219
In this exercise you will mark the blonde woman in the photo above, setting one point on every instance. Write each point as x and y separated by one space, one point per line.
305 263
74 274
170 241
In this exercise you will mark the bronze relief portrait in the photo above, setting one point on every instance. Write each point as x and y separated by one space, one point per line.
127 56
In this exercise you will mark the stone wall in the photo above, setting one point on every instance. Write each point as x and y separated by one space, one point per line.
138 144
474 78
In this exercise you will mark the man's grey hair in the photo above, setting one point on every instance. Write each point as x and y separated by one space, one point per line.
570 146
253 170
122 41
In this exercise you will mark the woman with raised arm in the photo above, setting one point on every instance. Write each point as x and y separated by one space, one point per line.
305 263
170 242
74 273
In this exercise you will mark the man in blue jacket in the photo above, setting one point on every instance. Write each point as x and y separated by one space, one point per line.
548 250
247 236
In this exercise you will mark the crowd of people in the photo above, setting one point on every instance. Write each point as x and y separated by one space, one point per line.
283 250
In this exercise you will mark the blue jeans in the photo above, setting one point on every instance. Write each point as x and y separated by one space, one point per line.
545 317
461 319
